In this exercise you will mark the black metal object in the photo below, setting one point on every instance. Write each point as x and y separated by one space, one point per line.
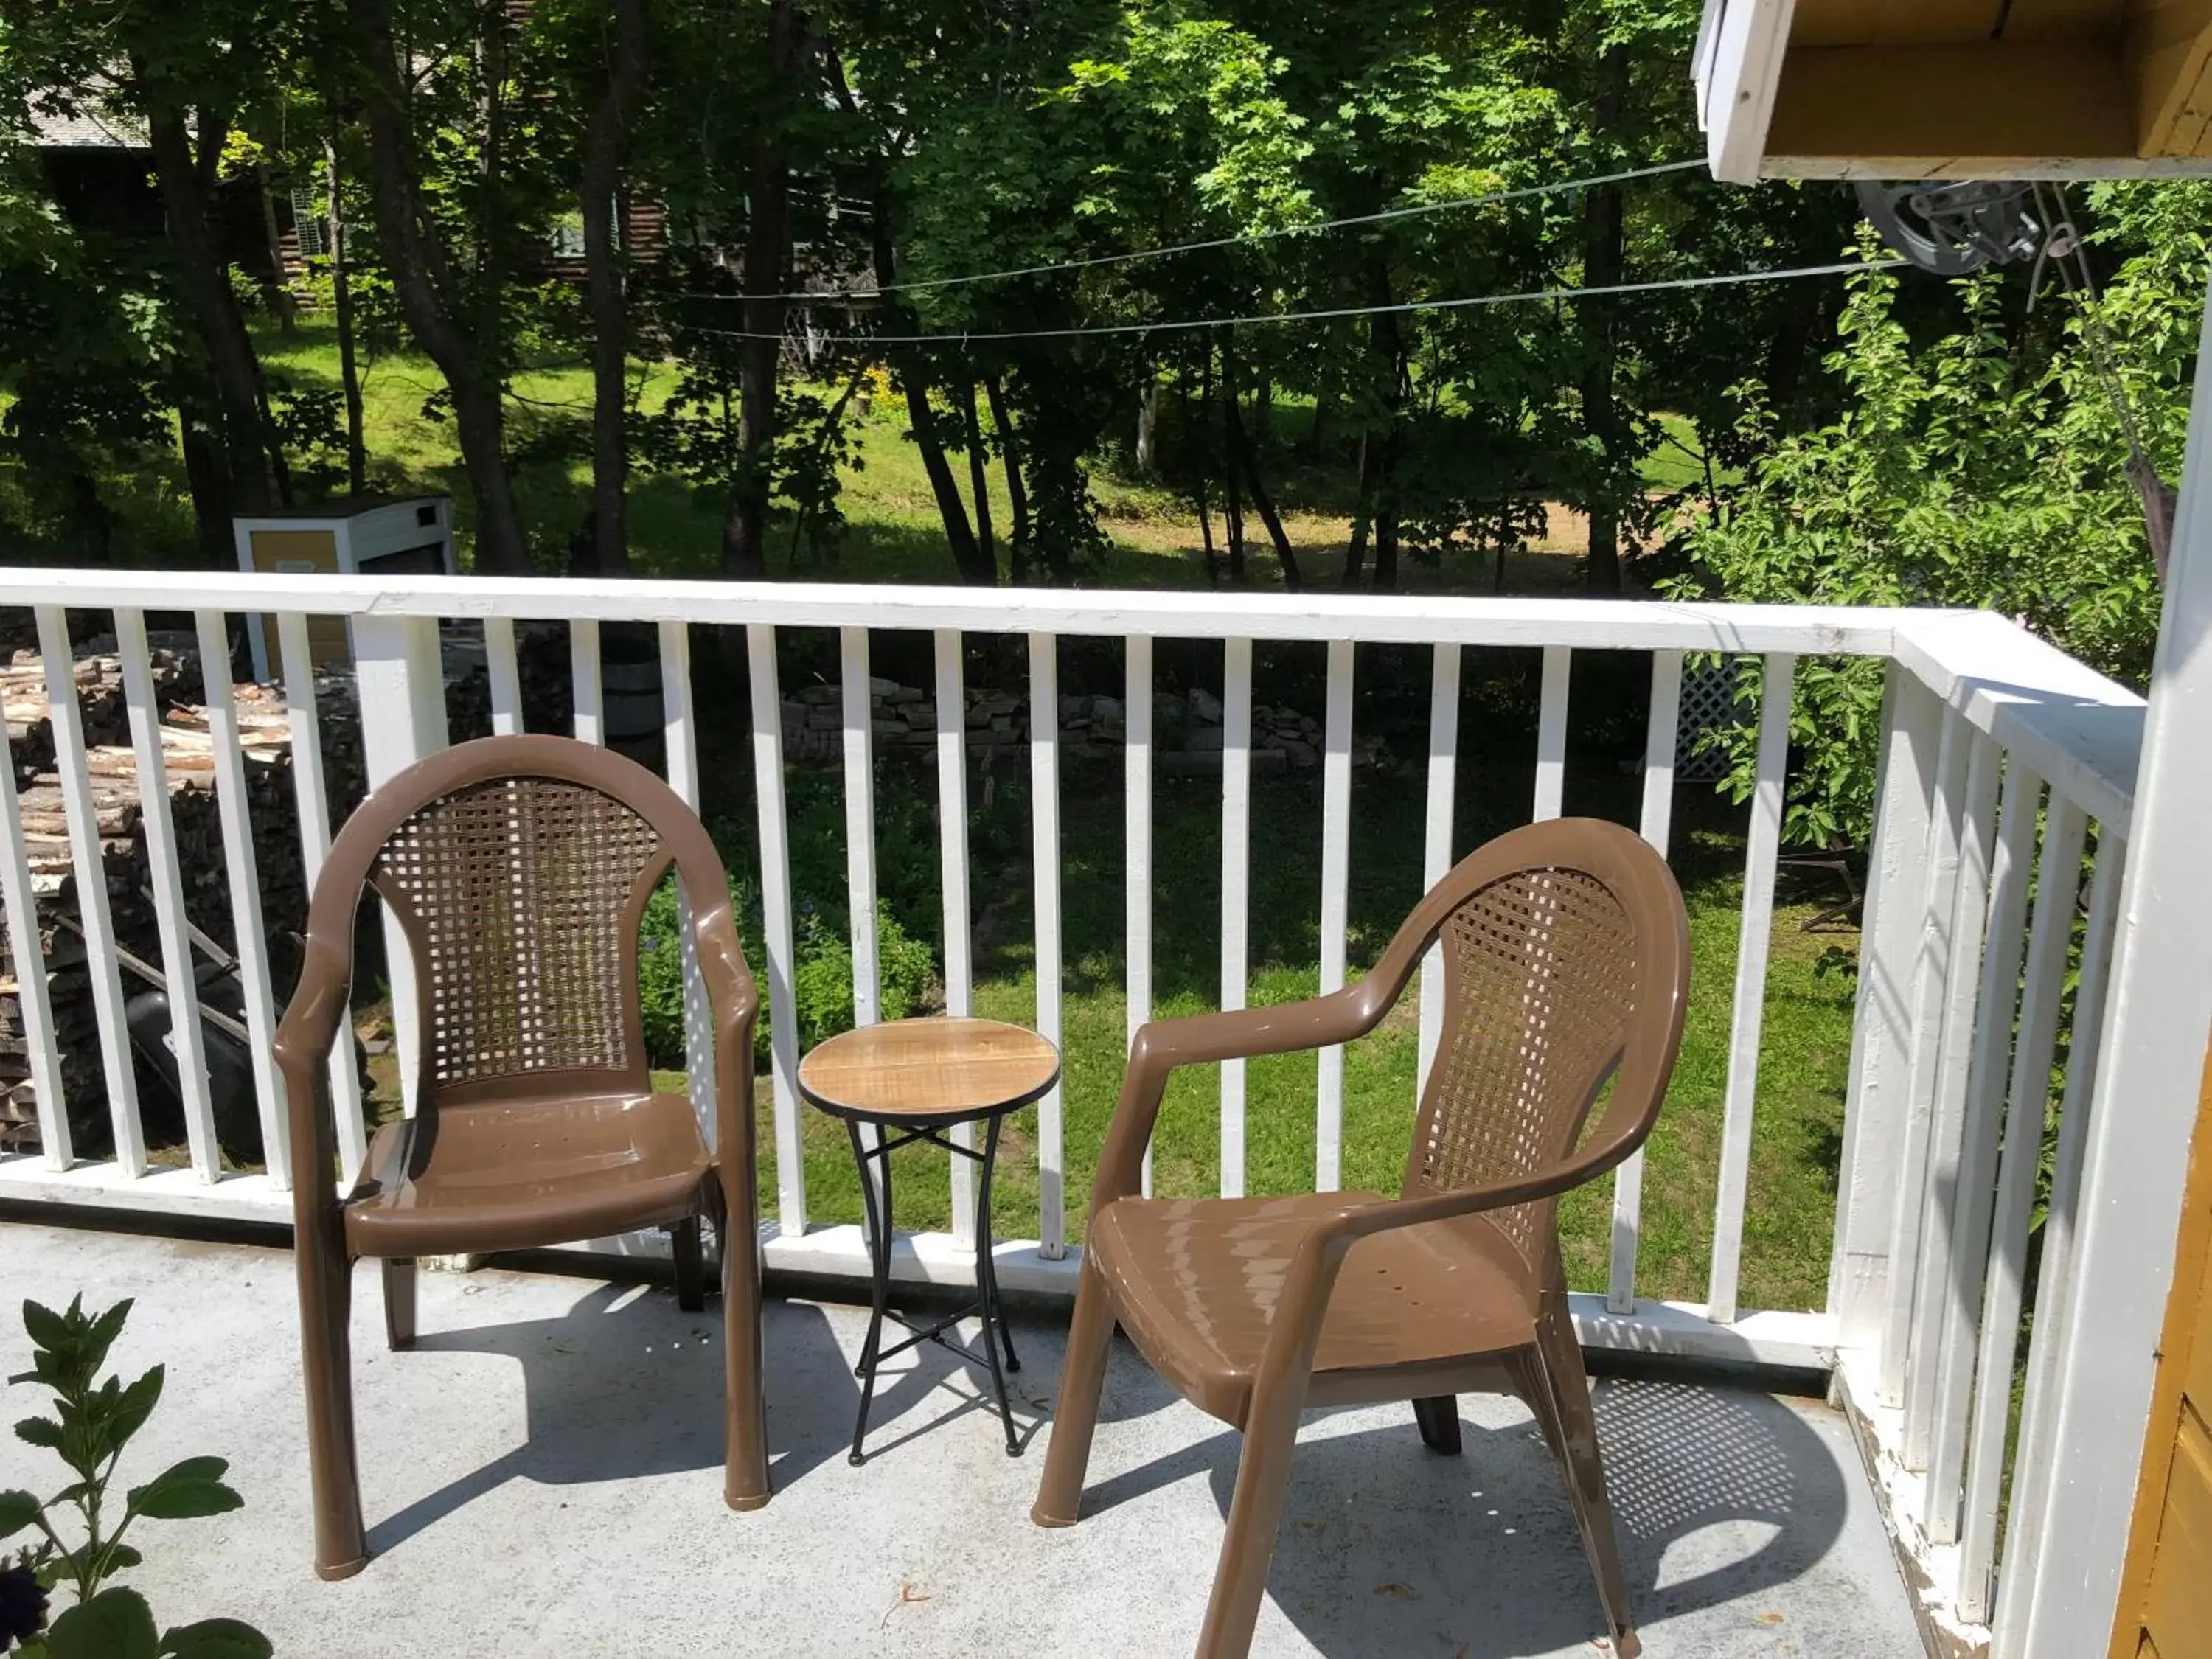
1951 226
877 1199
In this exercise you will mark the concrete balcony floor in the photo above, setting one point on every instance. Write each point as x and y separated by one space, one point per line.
542 1476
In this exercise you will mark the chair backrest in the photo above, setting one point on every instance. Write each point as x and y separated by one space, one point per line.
519 868
1566 965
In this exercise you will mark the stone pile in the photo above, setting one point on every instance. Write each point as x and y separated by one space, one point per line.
1188 734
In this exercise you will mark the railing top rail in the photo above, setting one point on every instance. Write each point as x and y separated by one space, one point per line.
1383 619
2078 729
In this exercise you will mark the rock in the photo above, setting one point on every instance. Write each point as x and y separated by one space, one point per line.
887 691
819 693
889 728
1302 755
1205 740
1107 709
821 717
903 694
1205 706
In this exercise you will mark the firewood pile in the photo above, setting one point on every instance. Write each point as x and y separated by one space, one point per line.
189 757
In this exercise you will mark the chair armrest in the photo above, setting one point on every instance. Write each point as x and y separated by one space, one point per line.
734 1003
302 1049
1162 1046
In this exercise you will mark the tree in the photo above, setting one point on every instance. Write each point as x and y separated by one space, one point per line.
454 309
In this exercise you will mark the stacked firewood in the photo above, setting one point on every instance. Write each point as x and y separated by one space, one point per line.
189 760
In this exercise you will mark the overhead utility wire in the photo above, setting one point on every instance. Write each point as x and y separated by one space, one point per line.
1417 210
959 336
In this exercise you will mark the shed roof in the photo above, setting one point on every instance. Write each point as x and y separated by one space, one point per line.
1956 89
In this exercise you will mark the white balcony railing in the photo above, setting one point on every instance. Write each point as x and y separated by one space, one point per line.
2002 760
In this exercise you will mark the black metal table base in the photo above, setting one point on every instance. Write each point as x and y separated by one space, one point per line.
878 1198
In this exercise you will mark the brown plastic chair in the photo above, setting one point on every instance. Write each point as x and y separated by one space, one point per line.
519 868
1566 964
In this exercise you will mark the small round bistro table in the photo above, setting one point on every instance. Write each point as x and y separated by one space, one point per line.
913 1079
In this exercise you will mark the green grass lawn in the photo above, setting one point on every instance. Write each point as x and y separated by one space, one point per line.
895 534
1802 1074
896 537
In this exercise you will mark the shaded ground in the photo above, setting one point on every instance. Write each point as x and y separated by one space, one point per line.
541 1477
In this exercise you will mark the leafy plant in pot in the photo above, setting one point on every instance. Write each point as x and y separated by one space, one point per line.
93 1420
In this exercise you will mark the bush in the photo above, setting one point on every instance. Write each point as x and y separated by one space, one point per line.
1982 468
821 978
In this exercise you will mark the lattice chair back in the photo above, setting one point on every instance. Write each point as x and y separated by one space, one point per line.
1542 976
519 869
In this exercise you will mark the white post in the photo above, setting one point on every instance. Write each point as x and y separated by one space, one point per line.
679 730
88 865
29 960
1749 1016
1235 889
1336 883
1662 727
313 802
1437 843
401 682
1551 734
2146 1099
775 925
1044 829
1881 1024
1137 835
237 819
952 866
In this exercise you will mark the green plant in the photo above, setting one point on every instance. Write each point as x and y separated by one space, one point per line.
93 1419
1982 468
822 976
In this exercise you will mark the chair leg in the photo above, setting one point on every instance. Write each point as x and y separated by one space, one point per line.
1438 1419
398 1302
1082 1379
744 1415
1559 1395
691 1265
326 1275
1263 1474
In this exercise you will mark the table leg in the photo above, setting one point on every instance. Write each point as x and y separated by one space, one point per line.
987 1288
880 1261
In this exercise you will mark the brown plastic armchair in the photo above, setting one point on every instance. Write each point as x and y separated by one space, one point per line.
1566 964
518 868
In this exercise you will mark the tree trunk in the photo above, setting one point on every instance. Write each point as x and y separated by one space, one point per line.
767 247
1292 581
1604 254
1387 363
342 298
423 280
1017 495
979 469
1148 421
913 381
245 440
1232 496
1198 427
207 477
606 146
1355 553
277 292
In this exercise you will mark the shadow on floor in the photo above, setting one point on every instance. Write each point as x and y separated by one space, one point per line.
1719 1495
625 1386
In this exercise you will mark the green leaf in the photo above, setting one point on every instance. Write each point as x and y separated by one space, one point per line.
216 1639
18 1509
40 1431
46 1328
100 1336
116 1624
136 1405
186 1490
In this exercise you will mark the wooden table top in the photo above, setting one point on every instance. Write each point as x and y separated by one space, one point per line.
922 1069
